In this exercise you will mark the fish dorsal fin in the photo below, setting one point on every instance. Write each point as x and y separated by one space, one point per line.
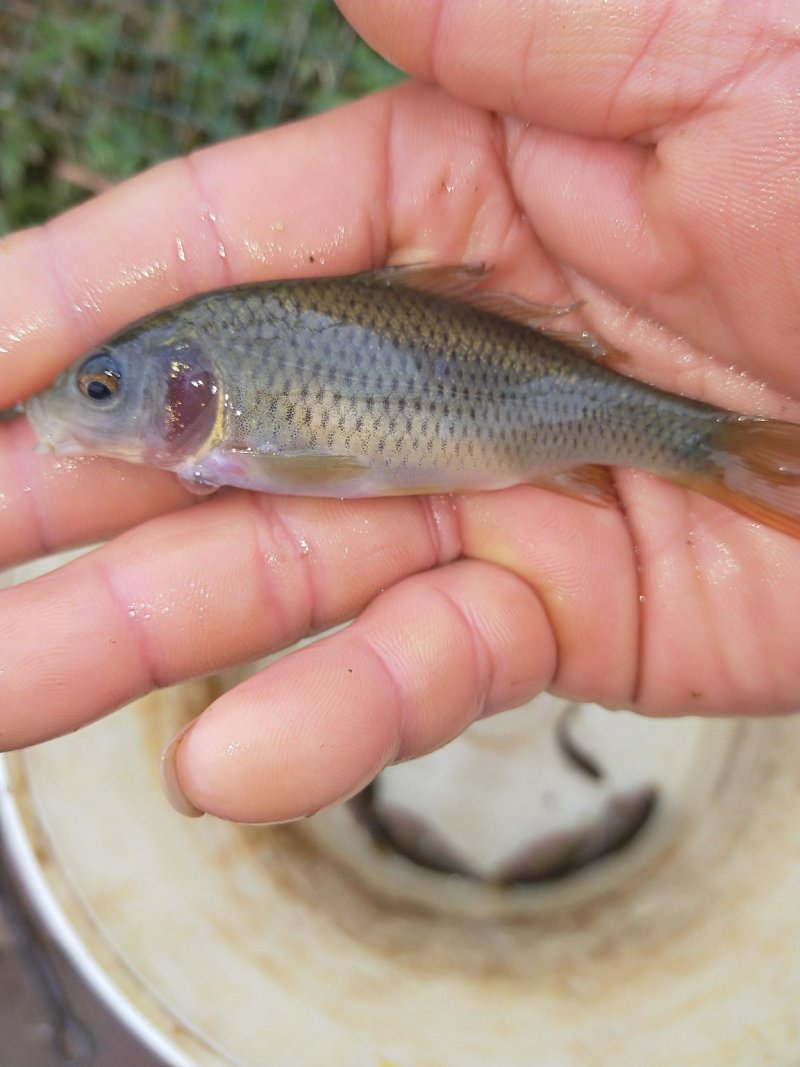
462 282
456 280
518 309
586 344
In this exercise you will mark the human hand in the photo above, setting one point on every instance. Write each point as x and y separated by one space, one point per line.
647 159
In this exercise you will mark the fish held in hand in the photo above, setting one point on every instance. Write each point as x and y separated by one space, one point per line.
404 380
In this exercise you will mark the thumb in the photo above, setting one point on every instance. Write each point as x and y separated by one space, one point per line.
607 68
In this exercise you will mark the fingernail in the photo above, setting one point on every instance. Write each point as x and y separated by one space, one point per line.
170 782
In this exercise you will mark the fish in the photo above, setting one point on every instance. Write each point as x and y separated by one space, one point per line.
415 379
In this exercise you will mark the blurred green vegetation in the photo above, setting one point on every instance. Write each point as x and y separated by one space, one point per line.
93 91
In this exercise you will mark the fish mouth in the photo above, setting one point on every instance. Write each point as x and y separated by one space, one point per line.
56 437
50 436
53 437
7 414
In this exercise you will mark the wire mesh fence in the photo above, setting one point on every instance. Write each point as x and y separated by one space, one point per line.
92 91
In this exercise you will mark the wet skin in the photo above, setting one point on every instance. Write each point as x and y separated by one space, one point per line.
621 174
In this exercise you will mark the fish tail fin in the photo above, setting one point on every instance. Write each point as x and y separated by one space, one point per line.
754 469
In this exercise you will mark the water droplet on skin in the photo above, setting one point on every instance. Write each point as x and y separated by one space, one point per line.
181 250
221 248
69 464
201 596
22 331
304 548
89 304
207 213
724 567
142 610
263 251
131 275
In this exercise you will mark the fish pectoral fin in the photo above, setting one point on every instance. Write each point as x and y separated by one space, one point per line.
589 482
461 282
297 468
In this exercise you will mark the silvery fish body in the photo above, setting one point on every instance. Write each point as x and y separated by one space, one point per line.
406 380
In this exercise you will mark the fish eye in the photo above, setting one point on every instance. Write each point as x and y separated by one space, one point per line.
100 377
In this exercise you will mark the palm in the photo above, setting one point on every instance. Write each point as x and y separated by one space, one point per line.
678 208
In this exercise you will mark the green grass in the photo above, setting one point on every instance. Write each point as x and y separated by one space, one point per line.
95 92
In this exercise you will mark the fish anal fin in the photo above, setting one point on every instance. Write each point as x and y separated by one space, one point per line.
462 282
589 482
586 344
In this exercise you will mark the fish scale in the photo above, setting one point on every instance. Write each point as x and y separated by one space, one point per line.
481 398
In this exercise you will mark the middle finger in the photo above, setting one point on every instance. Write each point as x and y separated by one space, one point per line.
191 592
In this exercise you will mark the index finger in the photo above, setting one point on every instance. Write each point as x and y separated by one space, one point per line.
228 214
338 193
402 176
189 593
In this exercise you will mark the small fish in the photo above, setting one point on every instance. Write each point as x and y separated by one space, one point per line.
403 380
